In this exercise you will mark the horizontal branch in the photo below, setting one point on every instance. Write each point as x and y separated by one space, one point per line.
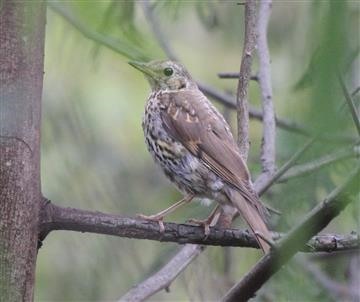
54 217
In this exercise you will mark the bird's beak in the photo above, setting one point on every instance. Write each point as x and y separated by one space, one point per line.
143 67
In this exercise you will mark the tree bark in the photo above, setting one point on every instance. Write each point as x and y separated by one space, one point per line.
22 31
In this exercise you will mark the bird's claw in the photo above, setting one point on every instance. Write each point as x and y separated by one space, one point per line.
156 218
204 223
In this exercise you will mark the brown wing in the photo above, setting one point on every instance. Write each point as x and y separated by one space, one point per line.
191 119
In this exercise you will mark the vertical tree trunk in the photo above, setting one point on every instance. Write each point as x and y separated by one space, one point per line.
22 30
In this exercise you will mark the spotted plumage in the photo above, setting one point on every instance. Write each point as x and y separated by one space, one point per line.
192 143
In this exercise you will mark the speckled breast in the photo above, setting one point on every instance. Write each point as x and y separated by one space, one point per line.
178 164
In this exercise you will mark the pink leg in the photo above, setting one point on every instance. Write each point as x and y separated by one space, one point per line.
159 217
209 221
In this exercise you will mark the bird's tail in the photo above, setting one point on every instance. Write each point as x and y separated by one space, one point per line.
253 215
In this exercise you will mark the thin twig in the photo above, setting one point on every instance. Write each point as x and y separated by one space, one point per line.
305 169
268 148
263 185
314 222
245 73
350 103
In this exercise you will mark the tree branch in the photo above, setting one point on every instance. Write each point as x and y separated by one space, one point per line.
54 217
315 221
244 78
268 148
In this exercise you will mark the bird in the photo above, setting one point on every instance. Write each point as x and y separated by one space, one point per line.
192 143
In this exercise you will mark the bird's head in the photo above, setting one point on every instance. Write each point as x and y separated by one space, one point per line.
165 75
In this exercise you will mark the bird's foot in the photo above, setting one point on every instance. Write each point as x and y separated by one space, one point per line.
157 218
205 223
208 222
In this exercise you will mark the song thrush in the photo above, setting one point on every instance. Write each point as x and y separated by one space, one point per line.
191 141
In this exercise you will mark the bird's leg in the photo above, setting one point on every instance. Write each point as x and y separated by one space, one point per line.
159 217
207 222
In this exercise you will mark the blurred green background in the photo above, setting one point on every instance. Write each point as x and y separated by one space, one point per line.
94 156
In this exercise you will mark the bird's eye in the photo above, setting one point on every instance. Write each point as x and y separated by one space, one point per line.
168 71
